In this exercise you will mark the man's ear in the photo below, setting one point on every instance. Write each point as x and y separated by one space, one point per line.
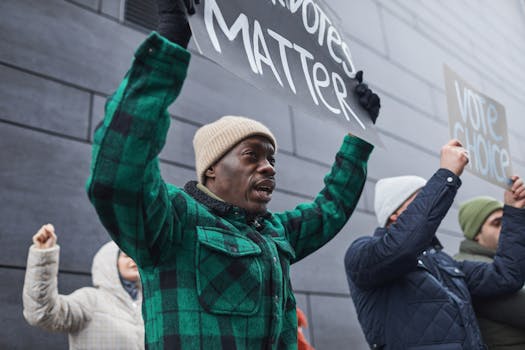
210 172
393 217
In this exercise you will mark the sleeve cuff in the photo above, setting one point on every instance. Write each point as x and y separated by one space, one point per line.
514 212
357 147
38 257
159 52
449 177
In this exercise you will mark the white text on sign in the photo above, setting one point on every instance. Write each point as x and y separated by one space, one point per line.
319 80
479 118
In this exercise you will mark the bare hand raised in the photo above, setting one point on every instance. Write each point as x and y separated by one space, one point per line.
515 195
45 237
454 157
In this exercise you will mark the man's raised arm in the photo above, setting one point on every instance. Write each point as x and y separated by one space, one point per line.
125 184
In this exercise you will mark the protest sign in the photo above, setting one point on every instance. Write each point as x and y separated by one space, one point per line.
290 49
479 123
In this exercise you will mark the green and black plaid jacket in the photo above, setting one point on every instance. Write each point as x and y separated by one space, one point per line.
213 278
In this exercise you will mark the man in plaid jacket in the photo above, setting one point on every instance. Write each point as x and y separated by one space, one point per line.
214 262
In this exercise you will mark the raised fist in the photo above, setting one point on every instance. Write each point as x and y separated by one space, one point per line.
45 237
515 195
454 157
367 98
173 21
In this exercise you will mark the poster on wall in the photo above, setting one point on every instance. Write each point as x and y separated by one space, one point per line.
290 49
479 123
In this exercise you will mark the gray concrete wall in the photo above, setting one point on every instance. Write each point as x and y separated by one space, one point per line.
59 59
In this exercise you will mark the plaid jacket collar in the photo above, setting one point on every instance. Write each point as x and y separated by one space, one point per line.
220 208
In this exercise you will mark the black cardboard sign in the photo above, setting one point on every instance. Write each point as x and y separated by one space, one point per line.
290 49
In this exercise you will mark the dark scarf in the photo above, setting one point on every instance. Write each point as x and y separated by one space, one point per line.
130 287
469 246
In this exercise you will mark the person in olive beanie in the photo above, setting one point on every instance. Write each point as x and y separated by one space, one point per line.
474 216
214 262
501 320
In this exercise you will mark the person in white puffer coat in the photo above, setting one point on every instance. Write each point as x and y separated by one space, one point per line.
105 316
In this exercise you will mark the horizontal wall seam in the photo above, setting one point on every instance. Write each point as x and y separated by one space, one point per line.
60 271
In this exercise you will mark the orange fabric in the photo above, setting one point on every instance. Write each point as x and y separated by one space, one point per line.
302 343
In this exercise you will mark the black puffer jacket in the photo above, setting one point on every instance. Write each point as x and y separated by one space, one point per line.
409 294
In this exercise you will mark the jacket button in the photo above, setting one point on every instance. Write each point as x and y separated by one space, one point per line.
449 179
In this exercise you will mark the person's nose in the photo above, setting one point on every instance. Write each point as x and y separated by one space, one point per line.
266 168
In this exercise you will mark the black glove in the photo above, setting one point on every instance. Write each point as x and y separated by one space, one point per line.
367 99
190 5
173 20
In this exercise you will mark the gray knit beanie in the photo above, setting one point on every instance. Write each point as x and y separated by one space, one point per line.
392 192
212 141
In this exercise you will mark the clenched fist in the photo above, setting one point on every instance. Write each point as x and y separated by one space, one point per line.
515 195
454 157
45 237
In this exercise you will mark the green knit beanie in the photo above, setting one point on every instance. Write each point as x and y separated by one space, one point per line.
474 212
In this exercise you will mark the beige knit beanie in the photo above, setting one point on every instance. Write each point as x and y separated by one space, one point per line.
214 140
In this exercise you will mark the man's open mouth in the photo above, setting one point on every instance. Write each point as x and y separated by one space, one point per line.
265 189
